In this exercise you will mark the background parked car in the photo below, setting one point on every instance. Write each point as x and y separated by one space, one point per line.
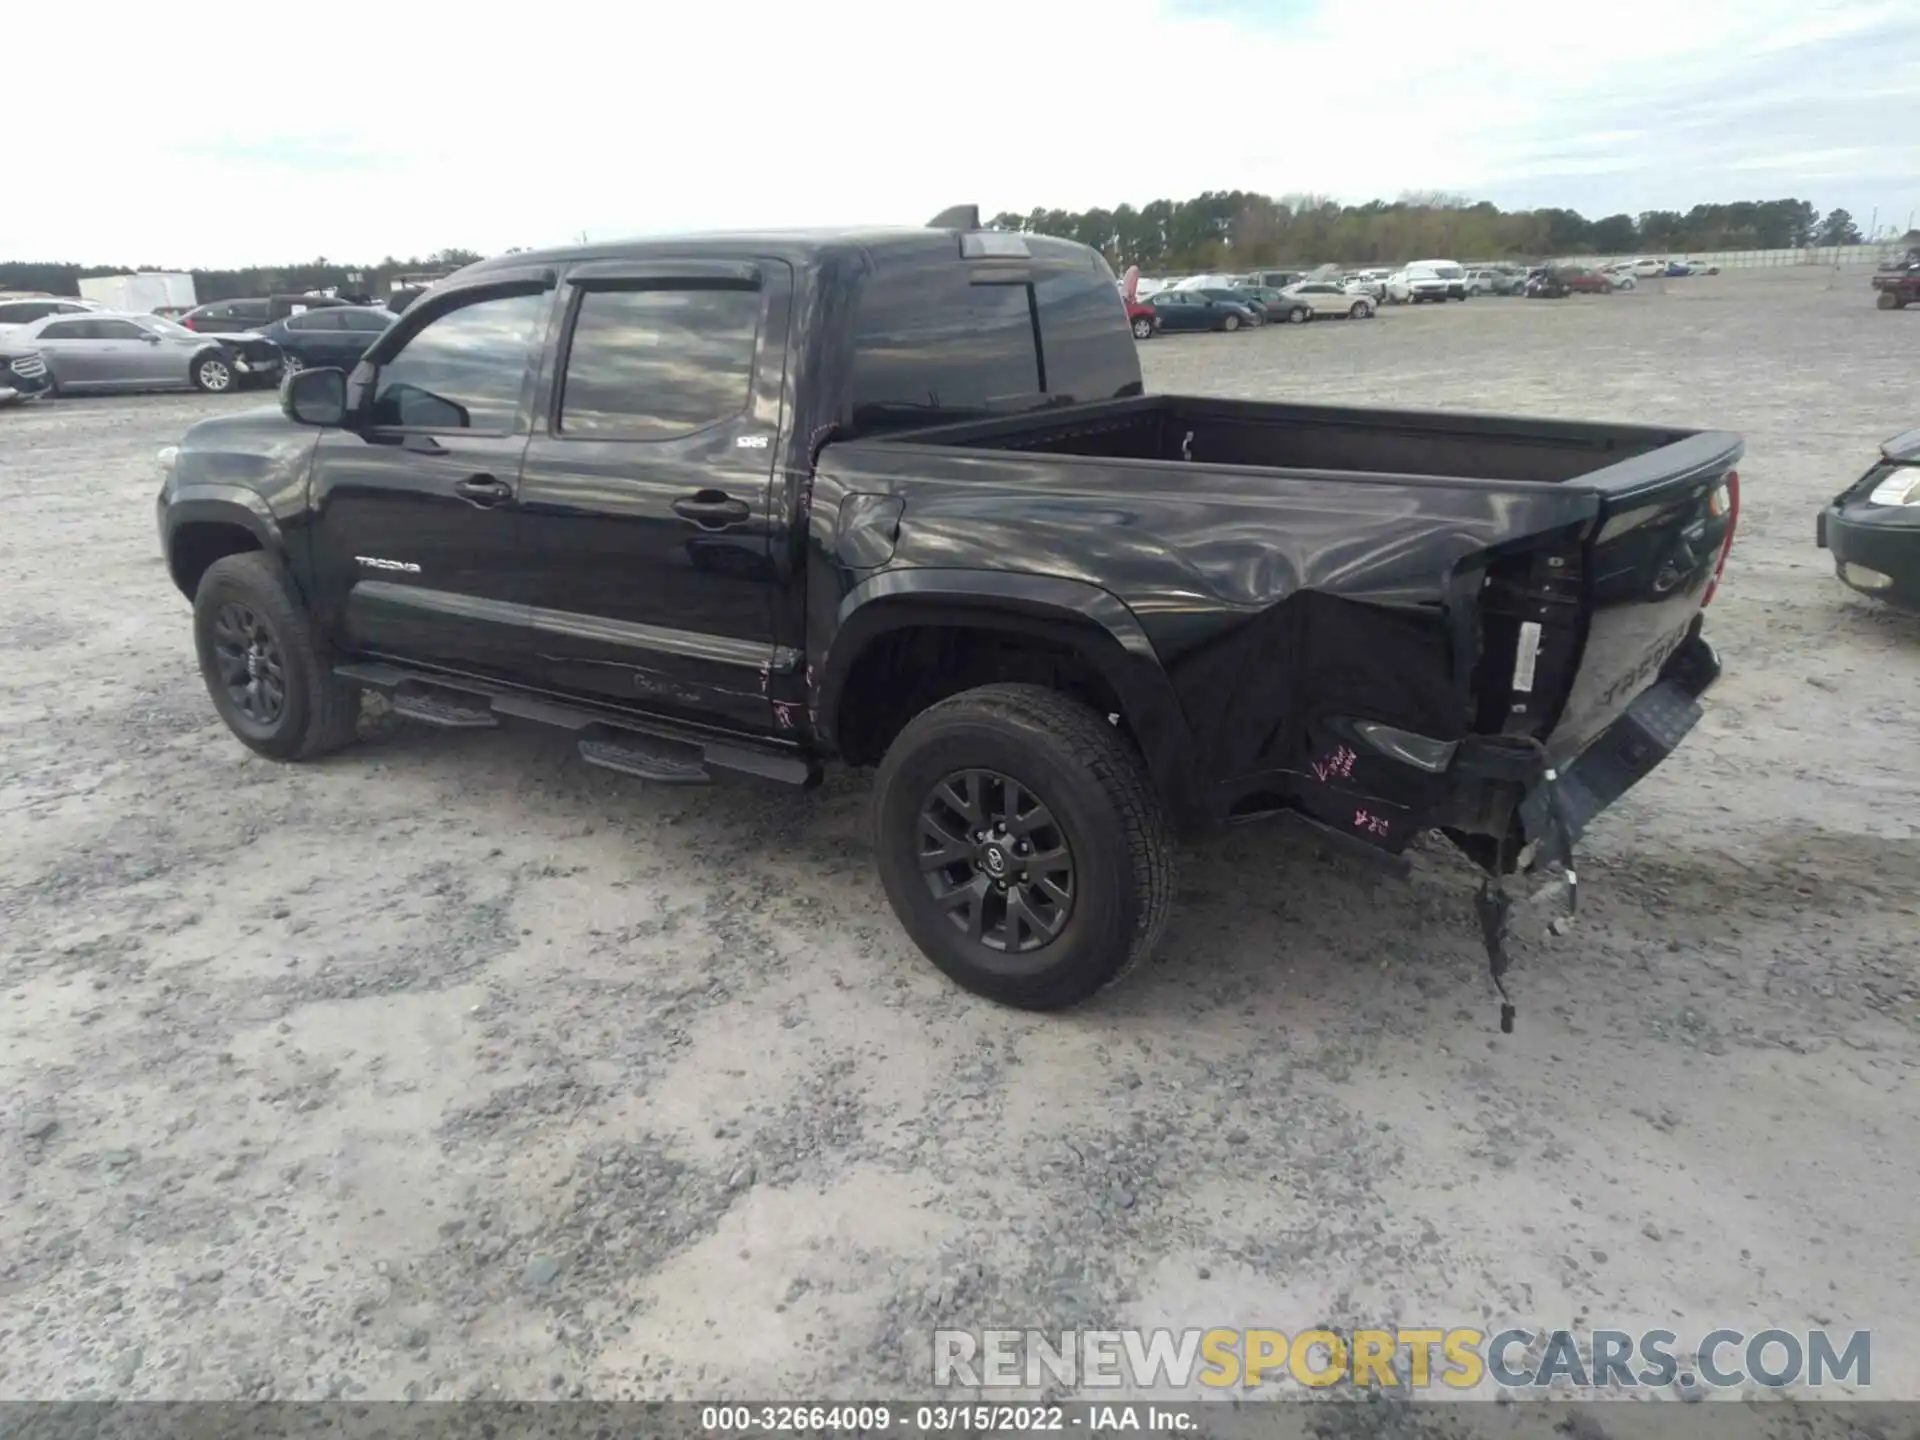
1451 272
1581 280
339 334
22 309
23 372
1494 280
1872 528
1621 274
1142 319
1277 304
1545 283
1191 310
1234 295
1326 298
1649 269
235 317
107 351
1415 283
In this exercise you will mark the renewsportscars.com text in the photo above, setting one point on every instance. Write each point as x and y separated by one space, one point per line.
1413 1359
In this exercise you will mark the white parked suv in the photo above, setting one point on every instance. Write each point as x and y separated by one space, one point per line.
1426 280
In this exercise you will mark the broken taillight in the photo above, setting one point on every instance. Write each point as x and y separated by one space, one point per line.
1725 500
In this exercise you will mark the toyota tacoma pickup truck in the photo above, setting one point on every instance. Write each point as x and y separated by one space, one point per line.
750 505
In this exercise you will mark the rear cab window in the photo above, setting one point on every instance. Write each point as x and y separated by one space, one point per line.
952 338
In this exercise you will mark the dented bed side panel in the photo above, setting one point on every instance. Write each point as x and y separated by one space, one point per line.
1282 606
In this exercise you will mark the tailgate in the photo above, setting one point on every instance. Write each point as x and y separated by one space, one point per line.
1666 522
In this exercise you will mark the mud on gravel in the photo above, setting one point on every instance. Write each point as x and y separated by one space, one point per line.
449 1067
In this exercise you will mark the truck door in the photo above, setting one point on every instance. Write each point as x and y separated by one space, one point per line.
416 539
647 490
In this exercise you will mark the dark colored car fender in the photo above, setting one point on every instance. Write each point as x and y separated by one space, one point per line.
232 507
1090 621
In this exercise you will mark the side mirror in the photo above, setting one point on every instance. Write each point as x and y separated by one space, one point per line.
315 397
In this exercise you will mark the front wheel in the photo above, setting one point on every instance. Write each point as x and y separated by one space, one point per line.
268 670
1022 845
1299 315
213 374
1888 300
1360 311
291 364
1232 322
1143 328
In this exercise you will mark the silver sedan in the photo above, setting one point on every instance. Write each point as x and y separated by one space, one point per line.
104 350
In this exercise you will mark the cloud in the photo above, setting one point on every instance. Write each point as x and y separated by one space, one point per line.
620 120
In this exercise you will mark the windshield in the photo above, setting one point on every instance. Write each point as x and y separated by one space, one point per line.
1448 272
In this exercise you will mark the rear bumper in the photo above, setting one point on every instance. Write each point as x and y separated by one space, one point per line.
1555 812
1874 540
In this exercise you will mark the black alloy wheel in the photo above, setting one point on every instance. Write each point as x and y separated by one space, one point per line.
996 861
250 663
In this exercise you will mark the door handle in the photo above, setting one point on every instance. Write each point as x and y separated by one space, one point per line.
712 509
485 491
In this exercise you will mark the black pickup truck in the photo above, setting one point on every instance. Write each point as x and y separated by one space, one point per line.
756 503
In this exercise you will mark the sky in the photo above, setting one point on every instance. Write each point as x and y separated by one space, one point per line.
234 134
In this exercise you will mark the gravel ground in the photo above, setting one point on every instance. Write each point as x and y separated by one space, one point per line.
450 1067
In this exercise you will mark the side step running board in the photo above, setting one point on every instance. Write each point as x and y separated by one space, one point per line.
448 714
661 761
659 751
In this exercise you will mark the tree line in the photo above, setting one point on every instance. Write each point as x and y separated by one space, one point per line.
1216 230
1239 230
255 280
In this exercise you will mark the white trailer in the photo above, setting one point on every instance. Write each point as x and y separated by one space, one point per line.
145 293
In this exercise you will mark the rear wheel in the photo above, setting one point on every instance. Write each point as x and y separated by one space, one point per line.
268 670
213 374
1022 845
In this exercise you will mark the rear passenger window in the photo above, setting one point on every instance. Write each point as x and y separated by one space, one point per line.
464 370
67 330
1080 314
656 363
938 343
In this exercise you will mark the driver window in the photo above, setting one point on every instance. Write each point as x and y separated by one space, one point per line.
464 371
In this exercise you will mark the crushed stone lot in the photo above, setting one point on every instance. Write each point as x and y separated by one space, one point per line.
450 1067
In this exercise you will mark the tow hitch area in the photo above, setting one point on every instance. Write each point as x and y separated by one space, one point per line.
1557 810
1494 902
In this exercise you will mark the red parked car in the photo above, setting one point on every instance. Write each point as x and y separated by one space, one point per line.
1582 281
1144 319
